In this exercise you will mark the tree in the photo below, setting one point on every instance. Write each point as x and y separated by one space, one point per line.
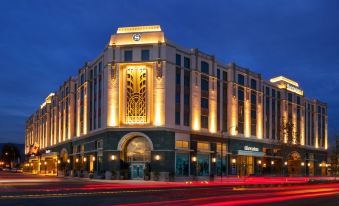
10 154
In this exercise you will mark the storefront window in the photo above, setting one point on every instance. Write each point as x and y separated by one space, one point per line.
181 164
203 146
221 159
203 164
221 165
181 144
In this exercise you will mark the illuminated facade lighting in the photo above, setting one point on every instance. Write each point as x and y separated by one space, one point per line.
144 86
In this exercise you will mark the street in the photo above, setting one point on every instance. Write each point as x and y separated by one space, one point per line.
24 189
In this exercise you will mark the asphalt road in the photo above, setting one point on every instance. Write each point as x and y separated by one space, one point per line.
23 189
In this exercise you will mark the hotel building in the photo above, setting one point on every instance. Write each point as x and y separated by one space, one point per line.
149 107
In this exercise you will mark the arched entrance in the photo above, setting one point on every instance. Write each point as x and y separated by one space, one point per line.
136 151
294 164
64 155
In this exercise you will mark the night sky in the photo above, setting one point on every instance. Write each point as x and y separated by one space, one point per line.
42 43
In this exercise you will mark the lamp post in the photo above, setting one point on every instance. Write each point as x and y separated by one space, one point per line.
303 167
284 168
45 163
259 166
57 167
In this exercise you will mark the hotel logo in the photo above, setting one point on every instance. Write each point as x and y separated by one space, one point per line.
136 37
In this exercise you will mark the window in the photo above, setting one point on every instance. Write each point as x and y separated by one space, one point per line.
204 122
186 97
241 79
187 62
224 102
181 164
99 144
177 96
203 146
221 148
100 67
253 84
290 97
128 56
224 76
204 84
145 55
241 110
203 164
204 103
178 59
253 113
298 100
204 67
221 159
177 118
82 79
95 71
181 144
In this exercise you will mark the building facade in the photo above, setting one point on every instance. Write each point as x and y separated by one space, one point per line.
148 107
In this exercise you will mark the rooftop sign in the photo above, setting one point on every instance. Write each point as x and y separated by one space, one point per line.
137 29
290 85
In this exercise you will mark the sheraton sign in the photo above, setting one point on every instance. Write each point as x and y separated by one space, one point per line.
253 149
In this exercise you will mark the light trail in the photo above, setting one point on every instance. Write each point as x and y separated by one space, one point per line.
264 195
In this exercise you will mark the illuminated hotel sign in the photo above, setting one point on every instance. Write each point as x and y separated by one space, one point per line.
138 35
294 89
289 85
253 149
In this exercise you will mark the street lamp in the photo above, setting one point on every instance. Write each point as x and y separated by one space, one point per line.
113 157
194 158
214 160
303 165
157 157
45 163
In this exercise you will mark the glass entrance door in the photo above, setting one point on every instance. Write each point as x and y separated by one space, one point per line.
137 171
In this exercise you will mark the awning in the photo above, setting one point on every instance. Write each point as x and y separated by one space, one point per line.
51 154
251 153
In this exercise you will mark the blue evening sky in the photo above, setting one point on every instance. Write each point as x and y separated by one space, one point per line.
43 42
